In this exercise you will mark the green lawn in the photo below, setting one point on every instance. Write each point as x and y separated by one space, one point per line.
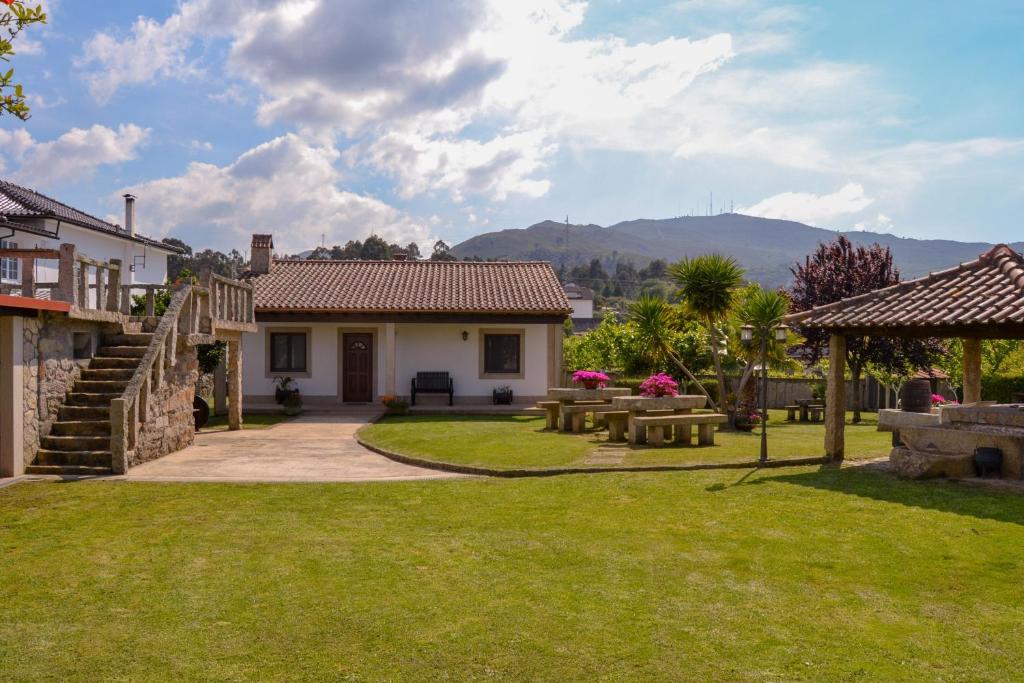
830 575
218 423
517 442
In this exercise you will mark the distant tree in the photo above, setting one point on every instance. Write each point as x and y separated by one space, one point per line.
321 254
375 249
655 270
15 17
442 252
192 263
412 251
838 270
707 287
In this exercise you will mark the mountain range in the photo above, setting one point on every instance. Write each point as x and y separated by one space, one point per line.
766 247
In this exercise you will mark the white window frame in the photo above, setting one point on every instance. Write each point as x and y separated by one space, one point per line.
10 268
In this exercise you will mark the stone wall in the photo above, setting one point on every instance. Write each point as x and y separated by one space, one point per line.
50 371
171 425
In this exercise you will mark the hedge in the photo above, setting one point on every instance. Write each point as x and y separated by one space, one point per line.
1001 389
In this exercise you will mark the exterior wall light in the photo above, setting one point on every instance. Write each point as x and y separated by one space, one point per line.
465 335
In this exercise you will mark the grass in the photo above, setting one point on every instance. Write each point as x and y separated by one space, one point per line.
517 442
829 575
218 423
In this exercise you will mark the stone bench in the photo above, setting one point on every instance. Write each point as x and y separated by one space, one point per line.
791 412
616 421
574 415
817 412
654 426
550 409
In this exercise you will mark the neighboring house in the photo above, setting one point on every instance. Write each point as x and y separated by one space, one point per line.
353 331
45 223
582 301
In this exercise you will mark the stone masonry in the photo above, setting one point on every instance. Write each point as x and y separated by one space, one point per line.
171 425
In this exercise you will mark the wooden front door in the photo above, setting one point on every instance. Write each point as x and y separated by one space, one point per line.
357 367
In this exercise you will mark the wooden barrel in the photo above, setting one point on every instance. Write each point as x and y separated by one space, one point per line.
916 396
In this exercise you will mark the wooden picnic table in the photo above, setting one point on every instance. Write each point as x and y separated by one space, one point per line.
573 404
643 406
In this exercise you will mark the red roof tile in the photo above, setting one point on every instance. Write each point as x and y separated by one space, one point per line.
986 291
411 287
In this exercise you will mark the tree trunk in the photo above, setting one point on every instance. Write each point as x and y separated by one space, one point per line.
723 390
855 374
682 366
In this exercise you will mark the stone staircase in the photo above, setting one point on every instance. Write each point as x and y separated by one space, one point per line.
79 441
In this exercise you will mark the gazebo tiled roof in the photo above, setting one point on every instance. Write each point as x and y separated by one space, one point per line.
981 296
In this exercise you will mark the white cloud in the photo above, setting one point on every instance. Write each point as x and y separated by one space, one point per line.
286 186
880 223
813 209
74 156
201 145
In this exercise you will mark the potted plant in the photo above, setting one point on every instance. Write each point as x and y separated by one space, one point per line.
502 395
746 421
659 385
394 405
285 387
590 379
292 403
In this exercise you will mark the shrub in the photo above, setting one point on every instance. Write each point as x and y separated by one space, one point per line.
659 385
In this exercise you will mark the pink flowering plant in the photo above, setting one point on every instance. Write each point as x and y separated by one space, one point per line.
940 400
590 378
659 385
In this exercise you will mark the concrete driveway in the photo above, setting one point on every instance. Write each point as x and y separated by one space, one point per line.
313 447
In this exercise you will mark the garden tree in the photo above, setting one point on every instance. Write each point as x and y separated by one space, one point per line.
616 346
763 309
838 270
707 288
656 322
442 252
15 17
999 357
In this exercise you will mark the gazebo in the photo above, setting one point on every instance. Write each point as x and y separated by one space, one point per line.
980 299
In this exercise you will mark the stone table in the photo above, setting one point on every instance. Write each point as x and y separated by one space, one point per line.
574 403
639 406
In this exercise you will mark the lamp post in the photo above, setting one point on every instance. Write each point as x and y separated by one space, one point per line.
747 337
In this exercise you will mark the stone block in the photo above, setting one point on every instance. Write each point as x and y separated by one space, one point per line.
920 465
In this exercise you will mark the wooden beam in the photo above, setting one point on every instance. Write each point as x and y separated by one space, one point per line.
972 369
989 331
835 399
50 254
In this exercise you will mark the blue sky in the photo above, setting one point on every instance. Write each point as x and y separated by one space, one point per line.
334 120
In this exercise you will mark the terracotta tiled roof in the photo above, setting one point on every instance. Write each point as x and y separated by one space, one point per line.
986 291
411 287
21 227
21 203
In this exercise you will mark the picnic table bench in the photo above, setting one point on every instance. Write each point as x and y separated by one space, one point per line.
809 410
656 426
433 383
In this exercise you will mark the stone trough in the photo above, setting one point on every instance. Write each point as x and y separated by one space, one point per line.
942 443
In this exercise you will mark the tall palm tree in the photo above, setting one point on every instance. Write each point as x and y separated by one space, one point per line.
707 286
656 320
763 309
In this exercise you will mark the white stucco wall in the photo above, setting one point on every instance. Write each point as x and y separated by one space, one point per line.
419 347
151 264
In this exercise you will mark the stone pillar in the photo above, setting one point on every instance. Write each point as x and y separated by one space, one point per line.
220 389
389 359
972 370
835 398
12 411
235 384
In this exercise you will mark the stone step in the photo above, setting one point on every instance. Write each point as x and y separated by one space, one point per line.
84 399
75 444
109 363
107 374
81 413
100 386
73 470
81 428
121 351
84 458
129 339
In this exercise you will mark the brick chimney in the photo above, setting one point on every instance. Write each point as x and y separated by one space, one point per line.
261 257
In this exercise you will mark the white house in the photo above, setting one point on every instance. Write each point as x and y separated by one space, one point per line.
34 220
581 299
353 331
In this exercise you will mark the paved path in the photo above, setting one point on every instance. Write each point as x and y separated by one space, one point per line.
313 447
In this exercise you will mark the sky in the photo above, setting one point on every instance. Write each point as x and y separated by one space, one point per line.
330 120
